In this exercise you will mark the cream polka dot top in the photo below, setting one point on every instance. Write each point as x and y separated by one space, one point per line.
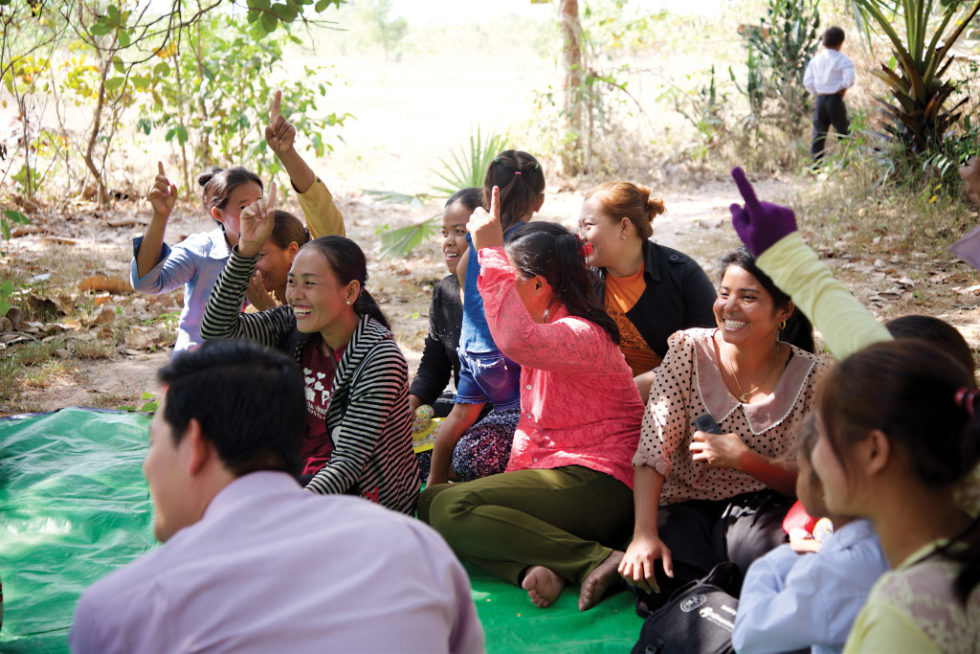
689 384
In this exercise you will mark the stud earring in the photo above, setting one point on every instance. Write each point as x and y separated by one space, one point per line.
348 301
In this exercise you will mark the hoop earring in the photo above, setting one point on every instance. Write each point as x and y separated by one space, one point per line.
782 325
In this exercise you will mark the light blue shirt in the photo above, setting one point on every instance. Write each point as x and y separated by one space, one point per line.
828 72
792 601
194 263
273 568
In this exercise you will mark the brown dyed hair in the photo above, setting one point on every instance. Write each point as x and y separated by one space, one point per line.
624 199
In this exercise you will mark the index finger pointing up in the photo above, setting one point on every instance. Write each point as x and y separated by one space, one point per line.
276 104
160 169
745 188
495 204
271 203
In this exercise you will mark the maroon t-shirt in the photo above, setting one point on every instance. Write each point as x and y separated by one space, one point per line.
318 371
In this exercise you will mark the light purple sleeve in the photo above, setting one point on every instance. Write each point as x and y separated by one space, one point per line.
176 267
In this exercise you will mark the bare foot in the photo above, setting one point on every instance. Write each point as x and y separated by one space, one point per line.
542 585
598 581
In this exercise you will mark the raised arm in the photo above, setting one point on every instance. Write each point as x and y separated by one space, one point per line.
222 316
162 198
770 232
323 218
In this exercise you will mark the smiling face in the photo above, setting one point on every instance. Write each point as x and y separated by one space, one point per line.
610 239
744 310
454 233
273 265
164 468
230 216
318 298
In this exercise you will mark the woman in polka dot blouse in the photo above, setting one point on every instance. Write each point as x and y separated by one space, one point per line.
714 471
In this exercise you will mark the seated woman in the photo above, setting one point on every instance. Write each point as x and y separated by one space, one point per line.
565 498
651 291
898 430
440 362
358 434
701 497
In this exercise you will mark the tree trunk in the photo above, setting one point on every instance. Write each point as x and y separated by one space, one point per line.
93 138
574 104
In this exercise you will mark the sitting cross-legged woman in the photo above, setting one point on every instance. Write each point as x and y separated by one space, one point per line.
564 502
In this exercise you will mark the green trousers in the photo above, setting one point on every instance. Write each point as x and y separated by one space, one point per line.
564 519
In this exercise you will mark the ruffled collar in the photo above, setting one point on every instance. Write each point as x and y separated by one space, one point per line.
760 416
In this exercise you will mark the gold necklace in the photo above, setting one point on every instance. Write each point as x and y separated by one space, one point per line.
743 396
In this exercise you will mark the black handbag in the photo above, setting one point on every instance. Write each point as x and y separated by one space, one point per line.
697 619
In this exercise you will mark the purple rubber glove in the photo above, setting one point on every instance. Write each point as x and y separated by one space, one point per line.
759 224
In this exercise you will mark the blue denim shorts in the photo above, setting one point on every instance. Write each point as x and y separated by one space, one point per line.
488 377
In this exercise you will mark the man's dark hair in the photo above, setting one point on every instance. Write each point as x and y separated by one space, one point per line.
249 401
833 37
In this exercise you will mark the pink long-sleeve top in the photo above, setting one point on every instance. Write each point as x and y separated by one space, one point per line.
579 404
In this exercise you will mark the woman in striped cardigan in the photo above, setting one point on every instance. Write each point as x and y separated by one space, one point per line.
358 437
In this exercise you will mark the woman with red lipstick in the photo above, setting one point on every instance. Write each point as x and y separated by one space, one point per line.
358 436
650 290
708 493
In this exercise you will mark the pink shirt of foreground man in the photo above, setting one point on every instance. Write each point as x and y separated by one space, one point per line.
273 568
574 411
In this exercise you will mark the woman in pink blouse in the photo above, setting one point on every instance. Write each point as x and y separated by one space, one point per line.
701 497
550 518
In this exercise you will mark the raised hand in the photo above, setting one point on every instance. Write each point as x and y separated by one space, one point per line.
257 222
279 134
759 224
163 195
484 226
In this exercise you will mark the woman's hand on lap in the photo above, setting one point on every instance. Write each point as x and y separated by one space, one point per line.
163 195
639 561
717 450
257 222
485 227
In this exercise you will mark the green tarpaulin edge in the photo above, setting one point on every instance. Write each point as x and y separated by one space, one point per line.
74 506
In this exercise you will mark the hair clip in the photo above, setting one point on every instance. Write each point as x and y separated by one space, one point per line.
536 166
584 248
517 172
496 159
964 399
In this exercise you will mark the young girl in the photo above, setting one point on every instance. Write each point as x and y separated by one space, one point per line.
651 291
358 436
196 261
898 430
564 499
267 289
792 600
486 375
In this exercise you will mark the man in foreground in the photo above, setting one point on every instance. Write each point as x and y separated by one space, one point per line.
250 561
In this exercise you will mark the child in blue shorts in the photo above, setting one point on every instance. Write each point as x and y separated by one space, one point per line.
463 446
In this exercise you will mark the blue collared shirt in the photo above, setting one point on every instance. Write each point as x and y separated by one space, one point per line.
791 601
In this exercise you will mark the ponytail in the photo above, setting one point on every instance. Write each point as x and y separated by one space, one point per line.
365 305
550 250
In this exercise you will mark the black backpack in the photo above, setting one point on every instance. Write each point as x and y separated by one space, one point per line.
697 619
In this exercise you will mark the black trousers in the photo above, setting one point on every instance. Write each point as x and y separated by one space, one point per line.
830 110
703 533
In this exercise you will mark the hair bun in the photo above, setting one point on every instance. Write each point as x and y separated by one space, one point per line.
655 207
204 178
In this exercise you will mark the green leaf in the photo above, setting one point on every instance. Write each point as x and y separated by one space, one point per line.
162 69
118 64
114 83
100 28
321 6
258 4
144 125
15 216
124 38
401 241
269 22
181 134
5 229
170 134
287 13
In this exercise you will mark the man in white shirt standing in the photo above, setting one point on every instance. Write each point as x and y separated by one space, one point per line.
252 563
828 76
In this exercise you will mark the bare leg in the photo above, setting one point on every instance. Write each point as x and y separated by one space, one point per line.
542 585
598 581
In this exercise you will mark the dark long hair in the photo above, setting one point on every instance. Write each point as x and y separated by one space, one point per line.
918 396
217 185
798 330
550 250
520 179
347 261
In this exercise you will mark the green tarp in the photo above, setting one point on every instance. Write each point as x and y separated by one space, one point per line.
74 505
